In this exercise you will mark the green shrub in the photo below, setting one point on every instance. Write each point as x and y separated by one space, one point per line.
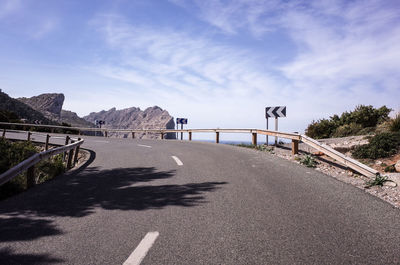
48 169
321 129
390 168
308 161
362 120
394 125
347 130
12 153
379 146
377 181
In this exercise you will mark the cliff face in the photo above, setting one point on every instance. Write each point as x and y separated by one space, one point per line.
11 110
134 118
50 105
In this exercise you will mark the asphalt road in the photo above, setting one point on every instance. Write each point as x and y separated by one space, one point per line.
224 205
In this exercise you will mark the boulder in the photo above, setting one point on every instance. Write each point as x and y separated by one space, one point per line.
397 166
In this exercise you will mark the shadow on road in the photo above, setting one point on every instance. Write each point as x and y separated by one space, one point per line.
8 257
79 193
121 188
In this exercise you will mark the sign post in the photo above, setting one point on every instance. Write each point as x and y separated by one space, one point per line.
181 121
275 112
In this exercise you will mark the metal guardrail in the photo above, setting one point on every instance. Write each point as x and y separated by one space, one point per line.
29 163
295 137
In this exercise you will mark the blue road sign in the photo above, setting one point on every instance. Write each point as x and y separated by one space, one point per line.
181 121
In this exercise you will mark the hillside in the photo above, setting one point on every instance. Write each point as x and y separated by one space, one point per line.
50 105
13 110
134 118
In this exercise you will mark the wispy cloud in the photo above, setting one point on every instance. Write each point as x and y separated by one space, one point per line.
8 7
192 65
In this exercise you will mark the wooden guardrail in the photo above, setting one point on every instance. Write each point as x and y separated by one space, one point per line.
295 137
29 164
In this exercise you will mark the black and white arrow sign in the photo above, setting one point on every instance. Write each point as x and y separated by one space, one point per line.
181 121
275 112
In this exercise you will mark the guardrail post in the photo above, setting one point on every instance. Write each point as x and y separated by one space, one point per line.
295 147
66 143
105 134
30 177
254 139
4 133
190 136
217 137
70 155
162 136
29 136
133 135
76 153
47 142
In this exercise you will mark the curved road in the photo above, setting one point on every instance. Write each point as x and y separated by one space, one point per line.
221 205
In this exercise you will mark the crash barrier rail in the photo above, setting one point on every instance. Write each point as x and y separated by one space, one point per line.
295 137
70 150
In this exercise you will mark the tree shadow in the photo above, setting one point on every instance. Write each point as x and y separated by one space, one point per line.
25 229
8 257
80 193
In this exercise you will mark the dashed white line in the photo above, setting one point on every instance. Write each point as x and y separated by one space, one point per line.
142 145
141 250
177 160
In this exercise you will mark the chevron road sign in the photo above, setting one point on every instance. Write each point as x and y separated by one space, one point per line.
275 112
181 121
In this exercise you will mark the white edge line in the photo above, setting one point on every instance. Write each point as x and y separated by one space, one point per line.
141 250
142 145
177 160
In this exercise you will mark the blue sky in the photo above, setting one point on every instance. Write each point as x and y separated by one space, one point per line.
218 63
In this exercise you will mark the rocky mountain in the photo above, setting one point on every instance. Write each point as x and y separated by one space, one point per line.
13 110
50 105
134 118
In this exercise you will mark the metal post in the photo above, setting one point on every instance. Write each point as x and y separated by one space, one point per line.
30 177
66 143
47 142
70 155
29 136
254 139
76 153
181 132
295 147
217 137
190 136
4 133
267 134
276 129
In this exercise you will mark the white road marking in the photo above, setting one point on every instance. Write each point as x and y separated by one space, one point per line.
100 141
142 145
141 250
177 160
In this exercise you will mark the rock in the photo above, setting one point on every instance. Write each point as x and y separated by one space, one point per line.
134 118
378 162
397 166
318 153
49 105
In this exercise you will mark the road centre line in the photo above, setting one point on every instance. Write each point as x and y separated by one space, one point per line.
142 145
177 160
141 250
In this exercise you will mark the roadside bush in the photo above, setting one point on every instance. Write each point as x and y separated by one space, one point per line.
379 146
321 129
347 130
309 161
394 125
12 153
363 119
48 169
